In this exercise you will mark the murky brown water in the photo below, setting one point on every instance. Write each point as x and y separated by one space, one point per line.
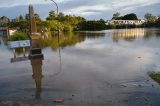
90 69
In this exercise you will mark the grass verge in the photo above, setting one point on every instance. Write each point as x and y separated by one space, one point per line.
155 76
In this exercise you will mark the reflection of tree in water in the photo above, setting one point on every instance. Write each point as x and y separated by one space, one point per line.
67 39
152 33
0 40
148 34
91 35
157 34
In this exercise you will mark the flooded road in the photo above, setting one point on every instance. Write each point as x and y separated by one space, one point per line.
104 68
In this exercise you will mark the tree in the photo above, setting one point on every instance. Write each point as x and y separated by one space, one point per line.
42 26
147 16
158 22
150 18
4 21
21 18
54 25
52 15
37 16
131 16
27 17
38 22
116 15
92 25
60 15
68 28
101 20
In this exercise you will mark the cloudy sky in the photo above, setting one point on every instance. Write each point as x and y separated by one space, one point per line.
90 9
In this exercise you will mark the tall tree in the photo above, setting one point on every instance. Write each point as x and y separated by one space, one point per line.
61 15
131 16
4 20
21 18
150 18
116 15
52 15
158 22
27 16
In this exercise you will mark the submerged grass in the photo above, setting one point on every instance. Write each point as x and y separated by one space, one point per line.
155 76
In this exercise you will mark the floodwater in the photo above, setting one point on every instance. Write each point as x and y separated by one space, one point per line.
102 68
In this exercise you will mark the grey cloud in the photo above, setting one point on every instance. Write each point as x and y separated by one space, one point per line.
13 12
122 6
95 11
78 3
154 9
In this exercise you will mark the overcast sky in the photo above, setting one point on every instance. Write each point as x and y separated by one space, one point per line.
90 9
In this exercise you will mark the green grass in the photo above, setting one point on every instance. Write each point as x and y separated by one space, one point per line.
155 76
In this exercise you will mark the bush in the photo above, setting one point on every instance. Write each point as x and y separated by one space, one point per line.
18 36
155 76
92 25
110 26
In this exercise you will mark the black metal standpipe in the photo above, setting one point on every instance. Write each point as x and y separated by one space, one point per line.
59 50
56 5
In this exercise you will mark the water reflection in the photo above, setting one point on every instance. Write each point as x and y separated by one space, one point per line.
127 34
0 40
62 41
36 58
68 39
132 34
90 70
37 75
21 51
149 34
55 42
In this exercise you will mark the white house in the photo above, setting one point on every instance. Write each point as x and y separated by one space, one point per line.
125 22
12 30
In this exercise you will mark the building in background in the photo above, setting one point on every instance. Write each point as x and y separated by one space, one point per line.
12 31
5 31
125 22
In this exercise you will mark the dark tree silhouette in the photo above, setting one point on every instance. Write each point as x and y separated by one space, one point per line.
131 16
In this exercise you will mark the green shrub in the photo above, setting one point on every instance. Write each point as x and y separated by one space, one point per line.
155 76
110 26
18 36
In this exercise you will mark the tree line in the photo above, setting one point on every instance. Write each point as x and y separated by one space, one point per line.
150 19
68 23
54 22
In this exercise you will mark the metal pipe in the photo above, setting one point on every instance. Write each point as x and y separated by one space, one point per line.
56 5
